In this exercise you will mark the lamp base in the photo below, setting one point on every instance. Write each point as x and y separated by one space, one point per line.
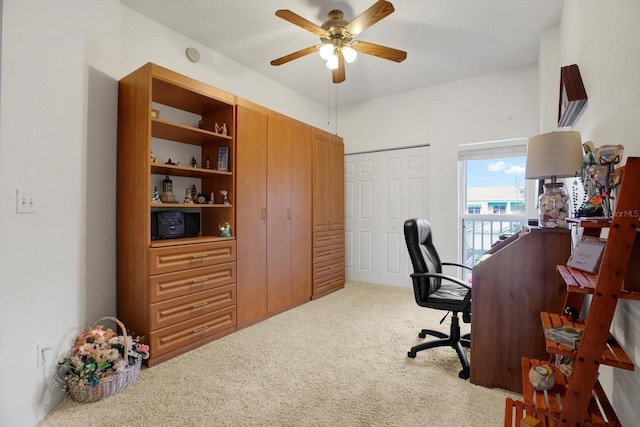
553 206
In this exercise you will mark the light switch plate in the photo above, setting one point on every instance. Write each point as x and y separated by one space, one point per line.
25 202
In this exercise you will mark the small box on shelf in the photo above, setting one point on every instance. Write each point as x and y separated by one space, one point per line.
567 336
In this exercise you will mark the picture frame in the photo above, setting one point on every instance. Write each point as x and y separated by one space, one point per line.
223 159
572 97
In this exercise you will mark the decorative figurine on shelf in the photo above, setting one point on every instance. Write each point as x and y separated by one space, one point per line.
208 163
187 196
212 200
604 176
200 199
225 197
224 229
200 124
194 193
221 130
169 162
156 195
571 313
154 159
541 377
589 159
194 163
167 191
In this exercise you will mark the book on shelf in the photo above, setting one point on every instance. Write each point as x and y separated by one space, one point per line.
587 254
565 335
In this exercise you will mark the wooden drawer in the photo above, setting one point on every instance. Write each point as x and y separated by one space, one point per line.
172 285
328 268
172 311
329 282
190 331
183 257
325 238
325 253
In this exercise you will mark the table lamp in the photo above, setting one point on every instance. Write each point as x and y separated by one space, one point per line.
551 156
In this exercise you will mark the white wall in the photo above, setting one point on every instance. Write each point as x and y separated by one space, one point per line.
61 61
486 108
602 38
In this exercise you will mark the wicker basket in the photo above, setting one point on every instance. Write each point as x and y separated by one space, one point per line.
82 393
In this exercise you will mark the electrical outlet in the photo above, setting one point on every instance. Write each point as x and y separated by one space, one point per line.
40 350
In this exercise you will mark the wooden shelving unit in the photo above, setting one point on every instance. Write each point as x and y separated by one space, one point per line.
179 293
579 400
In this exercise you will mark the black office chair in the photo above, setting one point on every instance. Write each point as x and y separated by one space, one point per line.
433 289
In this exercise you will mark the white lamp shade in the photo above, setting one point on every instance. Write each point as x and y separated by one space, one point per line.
332 62
554 155
349 54
326 51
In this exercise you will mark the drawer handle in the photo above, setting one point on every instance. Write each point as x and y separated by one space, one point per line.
200 256
199 305
263 212
200 280
289 213
200 329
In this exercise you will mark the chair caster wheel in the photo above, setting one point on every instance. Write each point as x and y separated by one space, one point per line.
464 374
422 335
411 355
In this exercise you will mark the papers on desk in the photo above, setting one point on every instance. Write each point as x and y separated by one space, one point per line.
587 254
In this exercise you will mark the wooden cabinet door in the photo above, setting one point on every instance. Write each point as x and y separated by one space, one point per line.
328 182
336 175
278 214
321 181
251 205
301 188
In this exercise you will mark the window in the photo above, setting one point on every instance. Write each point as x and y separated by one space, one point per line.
498 207
494 196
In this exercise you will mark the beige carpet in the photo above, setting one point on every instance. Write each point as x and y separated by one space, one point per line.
338 361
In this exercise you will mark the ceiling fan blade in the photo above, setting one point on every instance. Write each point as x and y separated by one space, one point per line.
298 20
379 51
295 55
375 13
339 73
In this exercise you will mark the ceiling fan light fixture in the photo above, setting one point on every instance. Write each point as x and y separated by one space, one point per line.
326 51
349 53
332 62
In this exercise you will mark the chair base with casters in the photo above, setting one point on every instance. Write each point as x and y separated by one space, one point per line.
435 290
453 340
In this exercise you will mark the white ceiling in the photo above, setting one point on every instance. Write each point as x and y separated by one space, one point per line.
445 40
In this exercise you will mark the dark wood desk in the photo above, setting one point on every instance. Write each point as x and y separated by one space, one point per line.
510 289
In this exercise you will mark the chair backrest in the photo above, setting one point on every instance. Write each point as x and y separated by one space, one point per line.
424 256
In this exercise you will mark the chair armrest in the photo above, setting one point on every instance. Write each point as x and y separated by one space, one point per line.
445 277
457 265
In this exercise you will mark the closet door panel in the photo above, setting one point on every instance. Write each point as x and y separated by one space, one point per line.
278 214
251 204
301 188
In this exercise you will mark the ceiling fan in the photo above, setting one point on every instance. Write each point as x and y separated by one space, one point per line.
337 35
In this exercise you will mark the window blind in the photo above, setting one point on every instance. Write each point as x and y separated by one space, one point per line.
492 150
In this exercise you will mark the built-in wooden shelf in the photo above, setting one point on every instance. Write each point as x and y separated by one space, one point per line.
190 205
177 132
179 170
